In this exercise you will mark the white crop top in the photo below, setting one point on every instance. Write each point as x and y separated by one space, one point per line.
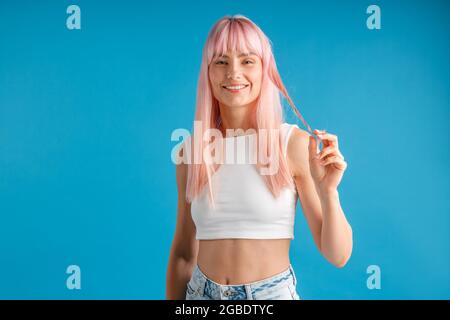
244 206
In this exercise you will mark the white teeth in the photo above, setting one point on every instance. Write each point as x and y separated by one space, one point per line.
235 87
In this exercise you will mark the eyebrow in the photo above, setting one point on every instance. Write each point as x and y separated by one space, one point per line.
241 55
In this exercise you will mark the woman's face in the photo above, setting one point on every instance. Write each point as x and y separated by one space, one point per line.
230 72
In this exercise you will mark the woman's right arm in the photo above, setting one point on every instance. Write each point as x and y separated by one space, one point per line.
183 253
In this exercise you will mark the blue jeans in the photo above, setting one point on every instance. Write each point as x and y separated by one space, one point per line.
281 286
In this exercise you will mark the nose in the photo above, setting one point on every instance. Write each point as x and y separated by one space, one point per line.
234 70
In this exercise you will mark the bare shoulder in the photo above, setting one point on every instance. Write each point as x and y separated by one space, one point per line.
297 151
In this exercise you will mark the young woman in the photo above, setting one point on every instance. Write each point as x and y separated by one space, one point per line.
235 222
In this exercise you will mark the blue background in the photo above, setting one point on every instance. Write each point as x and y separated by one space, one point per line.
86 117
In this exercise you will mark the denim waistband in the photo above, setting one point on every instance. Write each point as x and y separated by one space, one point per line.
205 285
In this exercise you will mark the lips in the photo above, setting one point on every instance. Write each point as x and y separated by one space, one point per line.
235 87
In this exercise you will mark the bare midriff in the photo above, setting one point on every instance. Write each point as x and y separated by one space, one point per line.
241 261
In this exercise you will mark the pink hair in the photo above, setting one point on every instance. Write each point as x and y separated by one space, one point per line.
238 33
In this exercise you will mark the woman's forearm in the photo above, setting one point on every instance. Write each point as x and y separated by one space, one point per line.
179 272
336 233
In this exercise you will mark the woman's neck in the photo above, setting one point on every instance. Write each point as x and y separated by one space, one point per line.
235 118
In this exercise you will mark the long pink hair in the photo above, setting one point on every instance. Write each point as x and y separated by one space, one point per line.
238 33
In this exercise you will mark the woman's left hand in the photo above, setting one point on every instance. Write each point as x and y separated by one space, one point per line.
327 167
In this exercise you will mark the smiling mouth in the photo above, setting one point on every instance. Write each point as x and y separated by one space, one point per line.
235 88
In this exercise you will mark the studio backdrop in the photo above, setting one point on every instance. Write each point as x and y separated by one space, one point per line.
91 91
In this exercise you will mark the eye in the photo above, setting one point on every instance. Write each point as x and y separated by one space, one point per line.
248 61
220 62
